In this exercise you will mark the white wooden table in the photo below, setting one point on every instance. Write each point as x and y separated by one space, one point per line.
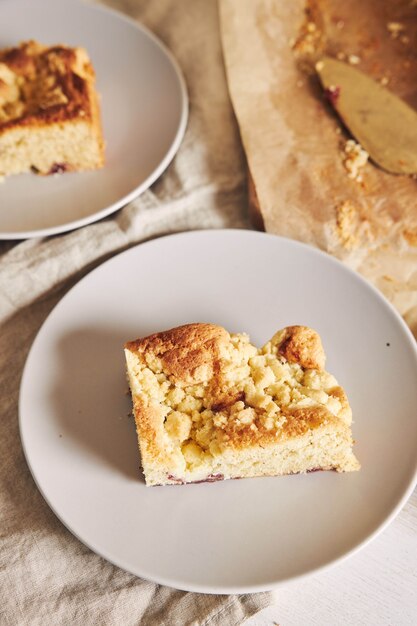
375 587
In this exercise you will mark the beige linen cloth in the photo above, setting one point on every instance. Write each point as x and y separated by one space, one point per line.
46 575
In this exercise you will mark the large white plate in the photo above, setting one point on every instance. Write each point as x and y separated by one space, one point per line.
233 536
144 111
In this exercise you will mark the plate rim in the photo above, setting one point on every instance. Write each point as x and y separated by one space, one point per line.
163 164
238 589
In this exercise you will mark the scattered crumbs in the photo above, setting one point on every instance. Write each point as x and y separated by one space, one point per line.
351 226
388 278
309 40
338 131
353 59
319 66
346 216
341 56
354 159
384 81
395 29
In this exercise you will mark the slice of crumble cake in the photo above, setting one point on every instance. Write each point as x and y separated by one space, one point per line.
208 405
49 110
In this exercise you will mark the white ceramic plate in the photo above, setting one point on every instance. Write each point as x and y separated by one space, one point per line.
233 536
144 112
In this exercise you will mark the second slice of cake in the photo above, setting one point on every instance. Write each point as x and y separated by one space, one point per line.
209 405
49 110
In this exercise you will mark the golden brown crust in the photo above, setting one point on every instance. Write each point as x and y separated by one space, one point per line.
298 423
148 427
189 353
302 345
345 412
42 85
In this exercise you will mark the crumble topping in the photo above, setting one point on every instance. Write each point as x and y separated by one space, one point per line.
255 390
34 78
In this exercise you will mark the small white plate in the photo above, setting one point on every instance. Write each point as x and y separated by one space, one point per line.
233 536
144 113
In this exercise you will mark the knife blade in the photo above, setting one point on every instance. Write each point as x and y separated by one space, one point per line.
384 125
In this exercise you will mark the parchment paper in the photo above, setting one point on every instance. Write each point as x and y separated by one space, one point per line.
294 141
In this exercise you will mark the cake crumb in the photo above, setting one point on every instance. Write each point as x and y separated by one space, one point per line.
395 29
346 215
353 59
310 37
354 159
352 228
